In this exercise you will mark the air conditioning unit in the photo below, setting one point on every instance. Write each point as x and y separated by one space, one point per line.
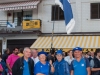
32 24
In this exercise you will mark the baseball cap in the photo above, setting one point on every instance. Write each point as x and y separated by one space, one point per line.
77 48
59 52
42 52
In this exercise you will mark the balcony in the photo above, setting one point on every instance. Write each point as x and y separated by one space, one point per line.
17 29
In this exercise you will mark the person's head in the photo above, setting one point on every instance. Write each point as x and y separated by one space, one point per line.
89 53
34 53
21 50
42 56
52 51
92 53
59 55
97 52
63 53
15 51
77 52
27 52
70 53
7 51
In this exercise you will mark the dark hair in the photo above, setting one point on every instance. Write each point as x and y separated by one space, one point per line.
21 50
15 48
52 51
97 51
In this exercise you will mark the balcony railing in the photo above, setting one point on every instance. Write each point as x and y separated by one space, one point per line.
18 29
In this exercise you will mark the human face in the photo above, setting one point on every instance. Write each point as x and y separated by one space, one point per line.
98 54
77 54
59 57
92 53
34 53
27 53
16 51
70 53
42 57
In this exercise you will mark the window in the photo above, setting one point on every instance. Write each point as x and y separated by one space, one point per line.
27 15
95 10
20 16
57 13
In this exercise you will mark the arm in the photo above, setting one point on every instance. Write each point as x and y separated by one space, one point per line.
15 68
72 68
89 71
72 72
8 61
51 66
67 69
1 69
92 65
88 67
95 69
9 67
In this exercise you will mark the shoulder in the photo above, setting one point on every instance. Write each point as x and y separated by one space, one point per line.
11 55
38 63
65 62
19 60
66 57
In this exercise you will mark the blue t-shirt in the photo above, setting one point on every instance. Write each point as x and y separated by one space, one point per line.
80 67
42 68
26 68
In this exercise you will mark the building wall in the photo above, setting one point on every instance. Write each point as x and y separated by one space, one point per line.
81 11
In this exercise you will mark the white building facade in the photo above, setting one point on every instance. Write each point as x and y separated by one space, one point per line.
82 11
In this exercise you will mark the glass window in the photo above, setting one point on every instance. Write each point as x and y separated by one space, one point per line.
20 16
57 13
95 10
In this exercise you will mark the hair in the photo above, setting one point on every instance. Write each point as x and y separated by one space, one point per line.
97 51
21 50
34 49
69 51
5 51
25 48
15 48
52 51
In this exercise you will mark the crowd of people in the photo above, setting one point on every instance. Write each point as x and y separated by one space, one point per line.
26 61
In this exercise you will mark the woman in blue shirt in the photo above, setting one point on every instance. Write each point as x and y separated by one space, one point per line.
43 67
61 66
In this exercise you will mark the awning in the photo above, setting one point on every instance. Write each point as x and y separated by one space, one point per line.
19 5
67 42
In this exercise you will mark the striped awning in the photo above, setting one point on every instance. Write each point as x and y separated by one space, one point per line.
63 42
19 5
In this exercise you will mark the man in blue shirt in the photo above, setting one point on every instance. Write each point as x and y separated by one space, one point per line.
24 65
80 65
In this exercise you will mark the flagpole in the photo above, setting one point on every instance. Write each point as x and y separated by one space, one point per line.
53 27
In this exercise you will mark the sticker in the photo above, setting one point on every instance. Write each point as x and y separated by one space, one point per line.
82 64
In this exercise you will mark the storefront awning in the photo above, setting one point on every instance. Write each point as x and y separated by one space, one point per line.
67 42
19 5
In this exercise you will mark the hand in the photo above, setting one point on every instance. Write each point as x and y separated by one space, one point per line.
40 74
50 62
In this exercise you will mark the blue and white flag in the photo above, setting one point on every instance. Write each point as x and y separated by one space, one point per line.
69 20
10 25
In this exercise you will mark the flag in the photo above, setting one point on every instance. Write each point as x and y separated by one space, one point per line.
69 20
10 25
